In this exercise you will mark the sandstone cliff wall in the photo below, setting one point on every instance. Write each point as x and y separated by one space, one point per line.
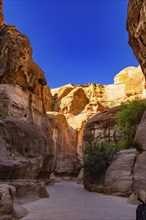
26 140
80 103
136 30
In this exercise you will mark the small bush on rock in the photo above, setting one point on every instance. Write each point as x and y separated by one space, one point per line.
97 158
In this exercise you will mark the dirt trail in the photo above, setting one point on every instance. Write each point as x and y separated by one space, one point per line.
69 201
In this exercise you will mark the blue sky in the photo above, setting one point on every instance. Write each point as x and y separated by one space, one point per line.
76 41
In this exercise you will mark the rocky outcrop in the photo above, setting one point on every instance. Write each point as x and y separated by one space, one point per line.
140 137
80 103
93 98
119 176
66 161
136 28
140 165
126 174
25 133
7 195
133 79
102 128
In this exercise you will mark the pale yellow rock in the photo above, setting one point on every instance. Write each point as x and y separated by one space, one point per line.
121 77
128 85
133 79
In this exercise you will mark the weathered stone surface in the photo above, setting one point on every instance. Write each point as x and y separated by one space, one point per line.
119 176
140 172
23 149
80 177
82 102
16 51
1 13
7 195
140 137
74 102
19 211
92 184
25 134
133 79
29 190
65 141
93 98
136 27
101 128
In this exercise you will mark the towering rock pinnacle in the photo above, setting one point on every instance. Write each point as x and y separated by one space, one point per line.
1 13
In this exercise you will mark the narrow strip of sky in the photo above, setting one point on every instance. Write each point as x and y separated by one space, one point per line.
75 42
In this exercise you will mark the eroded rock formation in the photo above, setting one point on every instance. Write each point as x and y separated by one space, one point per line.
119 176
41 131
80 103
136 27
128 85
25 134
126 176
102 128
7 195
140 166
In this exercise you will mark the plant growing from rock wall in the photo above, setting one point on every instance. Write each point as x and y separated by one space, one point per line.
97 158
127 121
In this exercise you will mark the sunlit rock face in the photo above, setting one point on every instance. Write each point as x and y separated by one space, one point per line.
92 98
136 27
25 134
80 103
133 79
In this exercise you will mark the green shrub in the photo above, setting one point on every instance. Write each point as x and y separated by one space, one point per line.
97 158
127 121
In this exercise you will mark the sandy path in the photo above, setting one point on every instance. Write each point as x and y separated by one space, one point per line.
69 201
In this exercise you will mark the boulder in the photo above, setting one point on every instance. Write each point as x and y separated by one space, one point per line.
7 196
140 172
119 176
140 137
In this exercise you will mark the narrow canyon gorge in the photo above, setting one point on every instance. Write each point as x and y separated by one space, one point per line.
44 131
